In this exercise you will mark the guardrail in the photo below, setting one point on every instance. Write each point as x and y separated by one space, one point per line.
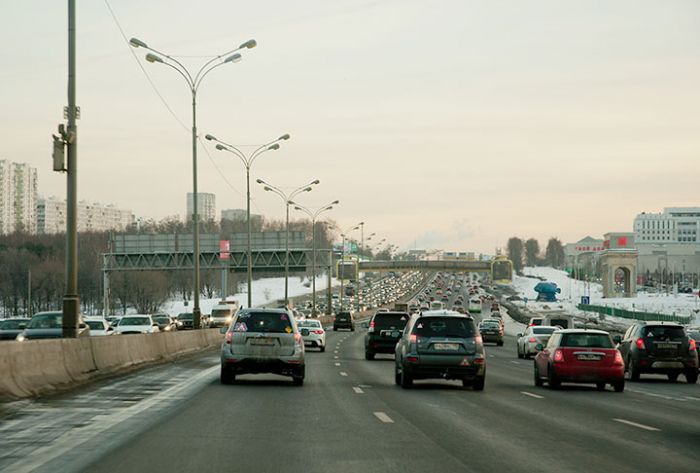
631 314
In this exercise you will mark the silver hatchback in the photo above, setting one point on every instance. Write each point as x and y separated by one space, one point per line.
263 341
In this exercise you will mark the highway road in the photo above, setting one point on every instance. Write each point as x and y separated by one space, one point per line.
350 417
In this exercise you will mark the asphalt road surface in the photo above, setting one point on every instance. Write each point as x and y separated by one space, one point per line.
350 417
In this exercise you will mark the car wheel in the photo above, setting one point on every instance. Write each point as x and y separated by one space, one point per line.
369 355
619 386
335 329
500 344
672 376
406 379
478 384
633 370
691 377
227 377
397 375
552 380
538 380
600 386
298 380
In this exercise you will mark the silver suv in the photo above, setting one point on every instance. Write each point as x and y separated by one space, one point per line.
263 341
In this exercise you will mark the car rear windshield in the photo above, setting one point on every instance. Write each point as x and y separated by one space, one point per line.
662 332
95 324
309 323
390 320
161 320
543 330
444 327
46 321
220 312
135 321
11 324
343 317
185 316
586 340
267 322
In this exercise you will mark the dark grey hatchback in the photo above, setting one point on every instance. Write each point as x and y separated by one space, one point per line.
441 344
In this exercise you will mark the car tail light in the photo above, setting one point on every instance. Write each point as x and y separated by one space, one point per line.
618 358
297 338
318 332
478 361
558 356
371 327
229 336
532 340
640 344
692 345
412 359
413 338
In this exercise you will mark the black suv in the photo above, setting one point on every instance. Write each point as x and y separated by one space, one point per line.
344 320
384 331
659 347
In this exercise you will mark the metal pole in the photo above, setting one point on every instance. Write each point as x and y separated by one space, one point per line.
342 259
359 255
105 291
29 293
71 300
286 260
196 313
313 268
329 293
250 251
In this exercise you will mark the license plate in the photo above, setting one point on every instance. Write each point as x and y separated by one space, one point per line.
446 346
262 341
665 345
588 357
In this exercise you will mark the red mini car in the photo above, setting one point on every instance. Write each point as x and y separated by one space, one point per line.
580 356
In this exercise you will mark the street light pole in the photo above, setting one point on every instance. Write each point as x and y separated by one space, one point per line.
342 258
314 216
248 160
193 82
359 255
287 199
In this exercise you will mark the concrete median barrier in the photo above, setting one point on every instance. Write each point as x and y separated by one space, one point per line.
39 367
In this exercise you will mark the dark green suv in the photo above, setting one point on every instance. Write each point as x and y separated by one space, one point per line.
659 347
383 333
441 344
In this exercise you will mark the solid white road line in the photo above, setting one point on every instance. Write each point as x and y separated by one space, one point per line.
639 426
337 364
335 357
515 362
358 390
536 396
343 373
383 417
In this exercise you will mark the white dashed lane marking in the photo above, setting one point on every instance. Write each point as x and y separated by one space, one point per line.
536 396
383 417
358 390
343 373
639 426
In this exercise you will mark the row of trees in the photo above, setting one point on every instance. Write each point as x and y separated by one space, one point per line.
527 253
32 278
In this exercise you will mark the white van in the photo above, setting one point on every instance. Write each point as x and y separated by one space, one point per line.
222 314
437 305
474 305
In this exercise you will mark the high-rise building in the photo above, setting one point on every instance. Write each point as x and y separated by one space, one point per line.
673 225
92 217
18 197
206 204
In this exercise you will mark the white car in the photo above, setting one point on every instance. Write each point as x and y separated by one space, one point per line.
99 327
316 336
139 323
537 334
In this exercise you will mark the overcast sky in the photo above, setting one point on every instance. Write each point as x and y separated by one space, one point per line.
448 124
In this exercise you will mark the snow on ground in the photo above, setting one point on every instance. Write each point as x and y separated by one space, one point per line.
264 291
572 290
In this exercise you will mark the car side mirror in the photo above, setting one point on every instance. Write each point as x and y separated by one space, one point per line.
305 332
364 325
519 335
539 347
223 330
110 329
155 324
82 325
617 339
22 326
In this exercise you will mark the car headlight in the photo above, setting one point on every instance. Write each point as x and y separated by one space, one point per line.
20 338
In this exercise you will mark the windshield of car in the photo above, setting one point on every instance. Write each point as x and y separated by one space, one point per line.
586 340
95 324
489 323
185 316
135 321
309 323
161 320
444 327
46 321
543 330
267 322
397 321
220 313
664 332
12 324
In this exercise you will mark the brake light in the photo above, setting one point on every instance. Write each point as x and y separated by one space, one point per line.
532 340
558 356
478 361
413 338
229 336
640 344
618 358
371 327
692 345
412 359
318 332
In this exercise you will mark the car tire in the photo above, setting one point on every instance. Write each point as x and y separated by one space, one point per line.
500 344
406 379
619 386
227 377
538 379
369 355
633 370
298 380
600 386
397 375
672 376
691 377
552 380
322 348
478 384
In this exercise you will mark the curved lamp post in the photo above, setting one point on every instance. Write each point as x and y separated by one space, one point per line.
342 256
193 83
248 160
314 215
287 200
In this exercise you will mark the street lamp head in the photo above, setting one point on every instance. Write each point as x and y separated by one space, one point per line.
297 208
137 43
267 188
210 137
233 58
316 182
273 147
260 181
330 207
150 57
250 44
284 137
361 223
220 147
308 189
336 202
